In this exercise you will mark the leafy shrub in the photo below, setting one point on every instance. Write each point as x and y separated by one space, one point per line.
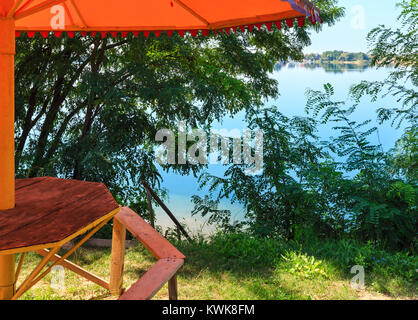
302 265
247 249
346 253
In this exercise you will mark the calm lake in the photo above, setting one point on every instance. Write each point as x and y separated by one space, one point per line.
293 80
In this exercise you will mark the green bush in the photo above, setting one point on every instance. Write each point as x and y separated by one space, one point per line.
246 249
346 253
302 265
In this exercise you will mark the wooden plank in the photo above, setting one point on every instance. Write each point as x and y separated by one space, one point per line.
19 266
117 258
172 288
159 246
146 287
76 269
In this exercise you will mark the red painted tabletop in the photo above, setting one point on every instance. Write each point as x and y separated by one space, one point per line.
49 210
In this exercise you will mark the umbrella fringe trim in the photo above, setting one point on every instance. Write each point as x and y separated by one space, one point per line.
300 21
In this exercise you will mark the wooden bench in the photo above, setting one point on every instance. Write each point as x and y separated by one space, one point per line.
150 283
170 260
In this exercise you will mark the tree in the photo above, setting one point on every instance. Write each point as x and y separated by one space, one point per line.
89 108
382 207
276 201
396 48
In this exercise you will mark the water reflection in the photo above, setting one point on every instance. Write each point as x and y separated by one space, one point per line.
328 67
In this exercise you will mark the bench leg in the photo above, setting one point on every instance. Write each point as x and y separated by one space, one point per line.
172 288
117 258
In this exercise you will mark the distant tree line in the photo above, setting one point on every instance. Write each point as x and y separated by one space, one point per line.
338 56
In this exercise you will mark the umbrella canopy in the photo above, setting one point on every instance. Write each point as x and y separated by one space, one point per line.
155 15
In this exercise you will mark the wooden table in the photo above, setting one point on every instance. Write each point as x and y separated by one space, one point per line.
49 212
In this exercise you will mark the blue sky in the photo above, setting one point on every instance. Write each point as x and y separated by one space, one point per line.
349 34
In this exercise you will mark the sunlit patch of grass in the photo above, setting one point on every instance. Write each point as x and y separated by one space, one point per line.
316 288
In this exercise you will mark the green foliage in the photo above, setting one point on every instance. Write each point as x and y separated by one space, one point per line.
302 265
396 48
246 250
404 157
383 207
346 253
276 200
89 108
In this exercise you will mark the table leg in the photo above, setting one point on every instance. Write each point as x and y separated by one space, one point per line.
117 258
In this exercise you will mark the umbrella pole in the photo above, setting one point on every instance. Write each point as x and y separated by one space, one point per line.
7 166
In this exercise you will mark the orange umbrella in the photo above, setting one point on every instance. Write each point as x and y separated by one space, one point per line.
121 16
156 15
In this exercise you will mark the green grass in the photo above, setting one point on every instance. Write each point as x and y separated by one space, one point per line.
238 266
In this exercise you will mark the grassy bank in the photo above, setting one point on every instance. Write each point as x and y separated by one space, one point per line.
238 266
